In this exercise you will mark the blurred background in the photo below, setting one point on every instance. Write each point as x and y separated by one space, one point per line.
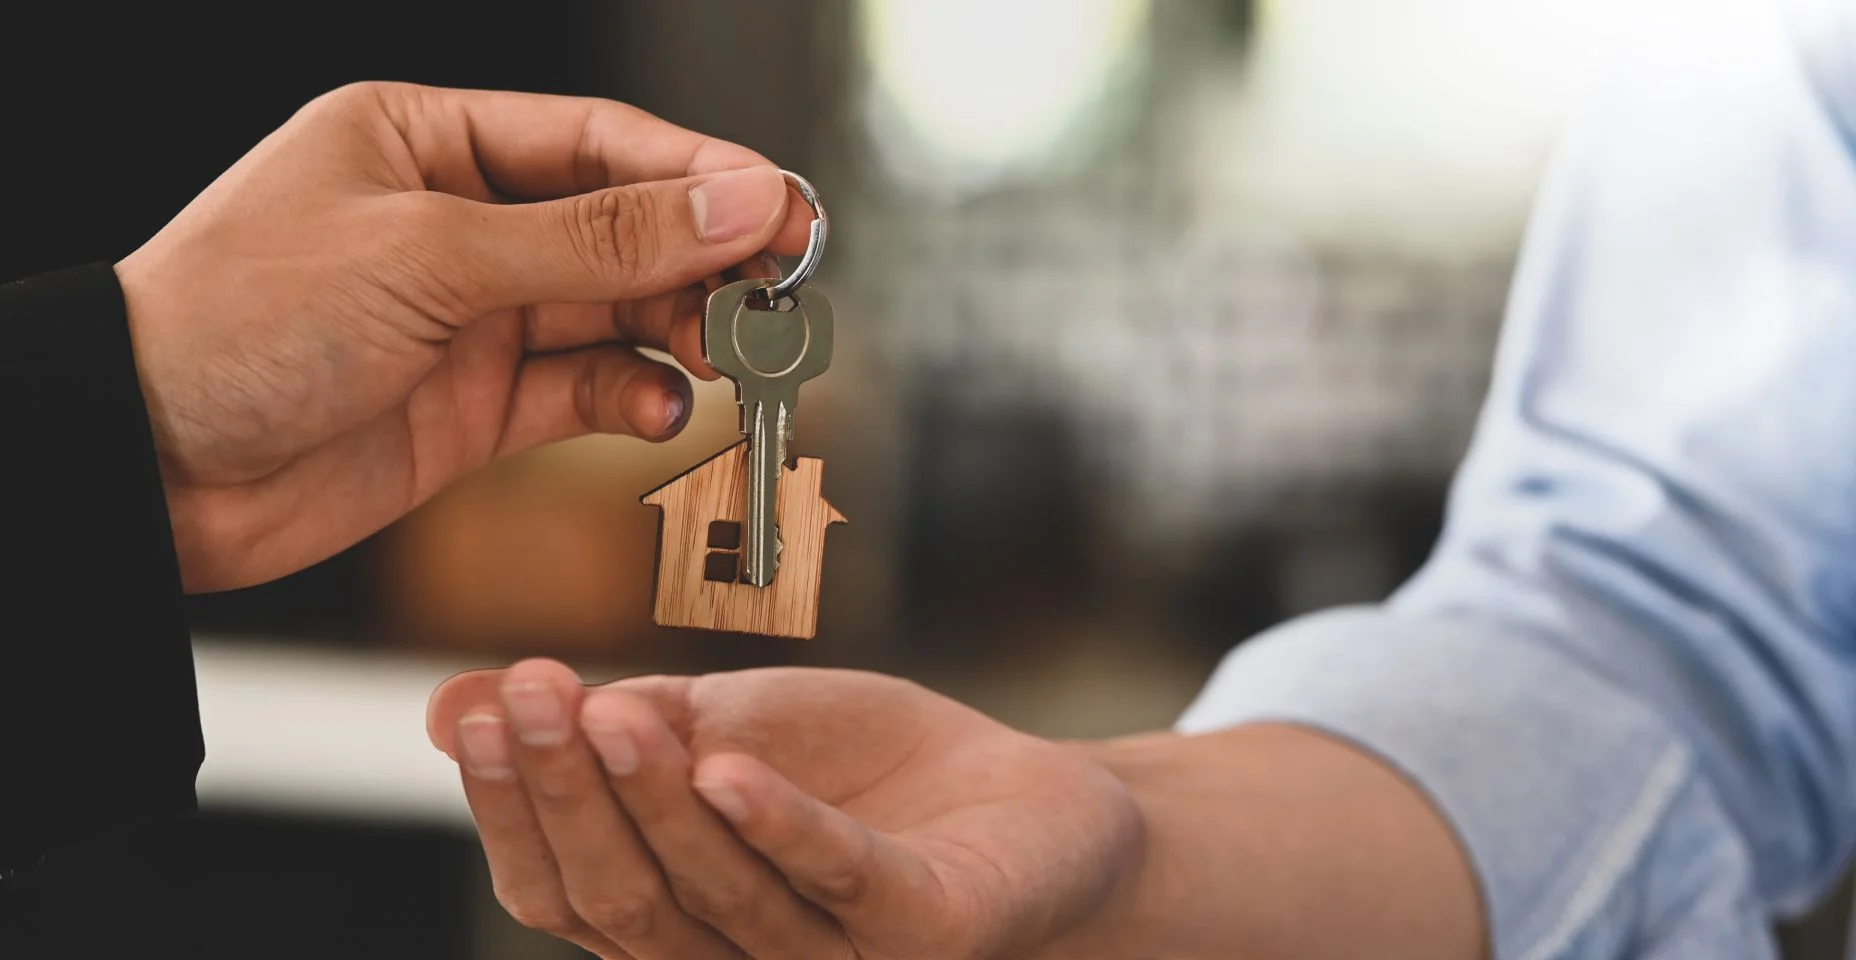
1159 323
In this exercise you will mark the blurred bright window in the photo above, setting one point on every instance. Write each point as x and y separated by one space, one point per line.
1420 124
964 94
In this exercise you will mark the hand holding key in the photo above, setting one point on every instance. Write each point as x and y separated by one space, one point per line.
769 339
354 315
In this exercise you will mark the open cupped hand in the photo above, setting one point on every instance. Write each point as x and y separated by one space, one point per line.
779 813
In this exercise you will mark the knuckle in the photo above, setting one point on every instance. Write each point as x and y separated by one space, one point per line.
545 915
356 95
615 231
846 882
843 887
358 90
622 916
712 902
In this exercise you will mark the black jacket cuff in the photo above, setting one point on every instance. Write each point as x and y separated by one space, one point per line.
97 701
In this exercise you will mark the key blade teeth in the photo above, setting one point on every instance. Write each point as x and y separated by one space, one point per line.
762 574
784 431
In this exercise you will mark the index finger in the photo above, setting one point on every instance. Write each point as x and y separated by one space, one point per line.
453 699
538 146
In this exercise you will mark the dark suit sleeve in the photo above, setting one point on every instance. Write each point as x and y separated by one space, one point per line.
99 718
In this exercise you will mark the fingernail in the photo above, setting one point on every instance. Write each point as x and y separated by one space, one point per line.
535 710
724 799
769 265
734 204
675 409
484 742
616 751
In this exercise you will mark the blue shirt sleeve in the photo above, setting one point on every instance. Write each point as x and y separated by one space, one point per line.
1626 676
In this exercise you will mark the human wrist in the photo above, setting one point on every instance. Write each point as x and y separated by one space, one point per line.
144 330
1258 839
144 317
1123 925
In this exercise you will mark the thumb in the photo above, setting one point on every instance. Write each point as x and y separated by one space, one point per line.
626 242
855 873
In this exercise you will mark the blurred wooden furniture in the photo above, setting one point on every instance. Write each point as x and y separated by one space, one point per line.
548 554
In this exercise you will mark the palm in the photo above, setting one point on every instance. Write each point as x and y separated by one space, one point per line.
1010 825
1002 841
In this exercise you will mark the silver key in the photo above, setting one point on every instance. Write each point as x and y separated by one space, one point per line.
768 348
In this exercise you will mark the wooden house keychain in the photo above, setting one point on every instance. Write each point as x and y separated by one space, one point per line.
741 542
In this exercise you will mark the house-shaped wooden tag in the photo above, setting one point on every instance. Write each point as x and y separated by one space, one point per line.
699 549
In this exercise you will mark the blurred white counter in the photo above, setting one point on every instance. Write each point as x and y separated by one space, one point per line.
324 732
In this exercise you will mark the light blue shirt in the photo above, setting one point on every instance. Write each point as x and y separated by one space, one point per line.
1627 675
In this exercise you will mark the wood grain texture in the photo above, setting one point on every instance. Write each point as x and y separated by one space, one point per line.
716 489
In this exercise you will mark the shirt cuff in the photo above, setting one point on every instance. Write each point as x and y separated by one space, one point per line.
1557 783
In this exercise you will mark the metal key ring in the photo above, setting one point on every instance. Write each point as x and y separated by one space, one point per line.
815 242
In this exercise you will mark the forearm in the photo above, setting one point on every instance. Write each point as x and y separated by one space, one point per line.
1270 840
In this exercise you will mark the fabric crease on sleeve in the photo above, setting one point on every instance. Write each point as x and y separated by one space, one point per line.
1556 782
